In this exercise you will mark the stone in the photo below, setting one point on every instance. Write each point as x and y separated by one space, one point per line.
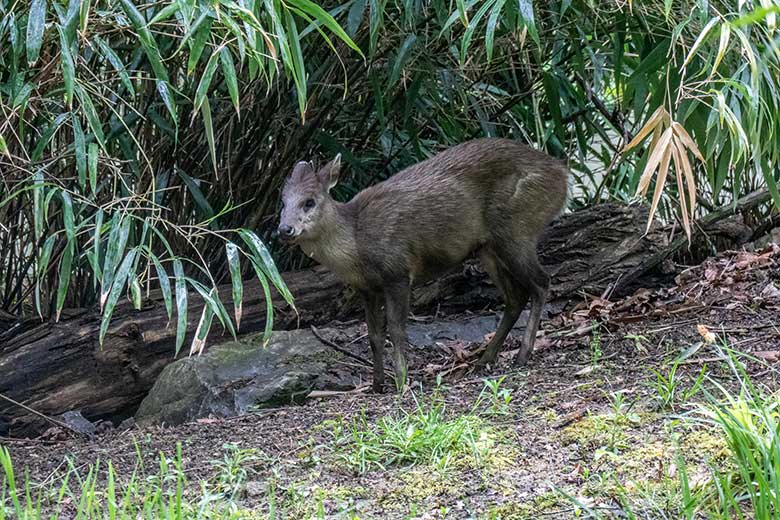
239 376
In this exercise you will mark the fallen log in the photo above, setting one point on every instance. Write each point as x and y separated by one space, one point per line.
56 367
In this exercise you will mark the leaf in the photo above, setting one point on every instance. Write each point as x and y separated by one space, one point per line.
725 33
68 67
96 246
700 39
165 284
401 59
181 304
206 113
165 93
116 62
67 216
4 147
322 16
526 10
681 189
117 240
80 151
229 71
235 277
205 82
355 16
660 182
115 291
202 331
490 31
92 117
682 134
148 42
36 23
198 44
64 277
46 136
93 167
658 118
197 194
269 307
266 263
135 291
655 158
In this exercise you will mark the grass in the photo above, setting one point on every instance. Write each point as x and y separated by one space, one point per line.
426 435
745 483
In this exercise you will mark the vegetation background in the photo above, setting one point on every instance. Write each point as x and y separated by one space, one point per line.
142 144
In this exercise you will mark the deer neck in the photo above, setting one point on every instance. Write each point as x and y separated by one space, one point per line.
336 247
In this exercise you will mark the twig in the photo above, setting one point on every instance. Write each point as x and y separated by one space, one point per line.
337 348
39 414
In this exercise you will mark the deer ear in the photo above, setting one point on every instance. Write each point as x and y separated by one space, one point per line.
300 171
329 174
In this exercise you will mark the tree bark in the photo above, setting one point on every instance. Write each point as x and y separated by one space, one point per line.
57 367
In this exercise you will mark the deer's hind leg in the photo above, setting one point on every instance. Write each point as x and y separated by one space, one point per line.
515 299
520 259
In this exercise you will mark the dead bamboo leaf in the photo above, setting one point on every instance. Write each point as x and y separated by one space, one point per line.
687 140
654 122
690 180
681 190
655 158
660 181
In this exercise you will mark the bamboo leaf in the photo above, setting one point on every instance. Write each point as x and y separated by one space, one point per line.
725 34
181 304
165 284
93 167
401 59
206 112
269 307
202 331
655 158
327 20
36 23
659 117
80 151
229 71
64 277
205 82
198 44
92 118
660 182
117 285
68 67
700 39
235 277
112 57
263 257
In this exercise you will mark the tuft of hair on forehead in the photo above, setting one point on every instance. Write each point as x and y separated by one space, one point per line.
303 174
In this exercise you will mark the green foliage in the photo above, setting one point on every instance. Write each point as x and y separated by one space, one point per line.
425 436
671 389
178 120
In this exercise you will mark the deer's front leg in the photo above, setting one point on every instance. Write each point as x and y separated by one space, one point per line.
397 307
375 320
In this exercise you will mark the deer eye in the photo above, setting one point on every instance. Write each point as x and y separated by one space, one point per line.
308 204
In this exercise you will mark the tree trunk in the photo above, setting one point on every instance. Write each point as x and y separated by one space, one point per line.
56 367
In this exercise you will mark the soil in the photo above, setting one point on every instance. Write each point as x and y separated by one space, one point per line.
557 432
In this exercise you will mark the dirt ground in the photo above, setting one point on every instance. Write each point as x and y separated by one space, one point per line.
583 415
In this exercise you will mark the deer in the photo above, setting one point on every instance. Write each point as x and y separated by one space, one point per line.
492 197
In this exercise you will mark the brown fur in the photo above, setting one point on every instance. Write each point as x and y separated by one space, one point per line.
489 196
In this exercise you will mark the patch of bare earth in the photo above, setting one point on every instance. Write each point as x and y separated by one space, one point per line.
583 418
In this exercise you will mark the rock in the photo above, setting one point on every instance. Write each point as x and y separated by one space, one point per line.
231 378
76 422
469 330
